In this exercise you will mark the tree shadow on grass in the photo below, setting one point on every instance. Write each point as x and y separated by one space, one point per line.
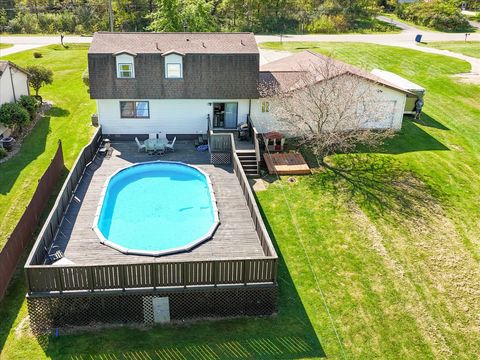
377 183
58 112
32 147
413 138
287 335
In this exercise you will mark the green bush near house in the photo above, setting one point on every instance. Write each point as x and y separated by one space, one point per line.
3 152
30 103
14 116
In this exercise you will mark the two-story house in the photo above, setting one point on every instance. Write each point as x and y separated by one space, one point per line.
172 82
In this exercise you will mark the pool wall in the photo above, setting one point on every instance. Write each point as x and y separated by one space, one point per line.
189 246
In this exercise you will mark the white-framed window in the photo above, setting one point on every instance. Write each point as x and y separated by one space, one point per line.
125 70
174 71
134 109
265 106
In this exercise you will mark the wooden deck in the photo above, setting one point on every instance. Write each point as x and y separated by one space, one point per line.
235 238
286 164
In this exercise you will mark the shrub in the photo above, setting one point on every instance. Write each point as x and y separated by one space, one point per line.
30 103
3 152
37 55
14 115
39 76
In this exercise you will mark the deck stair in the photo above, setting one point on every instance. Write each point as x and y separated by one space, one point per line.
249 162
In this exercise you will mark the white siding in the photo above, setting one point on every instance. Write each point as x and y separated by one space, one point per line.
392 103
178 116
125 59
20 85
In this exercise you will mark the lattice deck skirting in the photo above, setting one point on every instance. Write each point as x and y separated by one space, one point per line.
48 312
220 158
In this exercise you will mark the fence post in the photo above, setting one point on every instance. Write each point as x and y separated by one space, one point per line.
91 279
154 275
184 274
58 276
245 272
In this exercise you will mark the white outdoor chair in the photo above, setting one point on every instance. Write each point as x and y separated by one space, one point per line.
152 136
140 146
162 136
169 146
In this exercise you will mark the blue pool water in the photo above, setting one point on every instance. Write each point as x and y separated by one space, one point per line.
156 208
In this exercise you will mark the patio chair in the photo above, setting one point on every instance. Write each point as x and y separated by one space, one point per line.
152 136
169 146
162 136
140 146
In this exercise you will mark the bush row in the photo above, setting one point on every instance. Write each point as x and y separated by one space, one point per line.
17 115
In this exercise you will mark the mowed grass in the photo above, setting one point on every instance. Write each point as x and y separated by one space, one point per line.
469 48
400 282
68 120
4 46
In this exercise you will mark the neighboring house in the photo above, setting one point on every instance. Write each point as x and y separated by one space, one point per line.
172 82
288 74
13 84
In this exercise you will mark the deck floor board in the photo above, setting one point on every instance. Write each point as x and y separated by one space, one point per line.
235 237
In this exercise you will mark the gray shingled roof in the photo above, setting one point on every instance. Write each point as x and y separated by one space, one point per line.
187 43
286 73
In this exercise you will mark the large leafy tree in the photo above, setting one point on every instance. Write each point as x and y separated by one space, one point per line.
174 15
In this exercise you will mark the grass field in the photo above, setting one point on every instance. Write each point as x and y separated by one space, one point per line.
470 48
4 46
68 120
401 281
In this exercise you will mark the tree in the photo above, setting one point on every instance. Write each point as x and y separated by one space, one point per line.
39 76
14 115
173 15
3 19
329 108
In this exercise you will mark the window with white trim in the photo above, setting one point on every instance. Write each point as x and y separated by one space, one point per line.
174 71
125 70
134 109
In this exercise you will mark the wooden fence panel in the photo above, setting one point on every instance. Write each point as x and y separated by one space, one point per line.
23 232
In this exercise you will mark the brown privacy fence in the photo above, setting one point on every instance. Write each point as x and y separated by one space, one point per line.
23 232
45 238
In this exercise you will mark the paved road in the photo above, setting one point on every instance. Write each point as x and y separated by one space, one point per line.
405 39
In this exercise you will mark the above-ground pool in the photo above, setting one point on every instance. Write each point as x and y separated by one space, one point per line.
156 208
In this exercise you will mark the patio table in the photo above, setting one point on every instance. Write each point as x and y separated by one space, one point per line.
155 145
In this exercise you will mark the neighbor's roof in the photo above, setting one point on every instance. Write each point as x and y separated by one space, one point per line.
285 74
397 80
4 65
185 43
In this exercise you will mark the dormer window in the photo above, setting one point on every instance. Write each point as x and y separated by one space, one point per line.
174 71
125 71
125 62
173 64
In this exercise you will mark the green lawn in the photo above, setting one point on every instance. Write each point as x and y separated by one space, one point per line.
470 48
68 120
401 281
4 46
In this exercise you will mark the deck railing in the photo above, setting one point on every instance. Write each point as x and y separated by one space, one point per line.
47 234
151 275
50 278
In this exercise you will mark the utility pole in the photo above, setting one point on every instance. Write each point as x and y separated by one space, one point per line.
110 14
